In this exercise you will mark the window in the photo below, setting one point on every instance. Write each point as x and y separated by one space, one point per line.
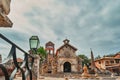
111 61
47 51
117 61
107 62
50 47
99 62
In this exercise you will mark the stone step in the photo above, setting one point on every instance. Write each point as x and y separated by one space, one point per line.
61 74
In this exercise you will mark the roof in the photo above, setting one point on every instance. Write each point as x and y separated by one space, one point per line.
118 53
49 43
67 45
106 58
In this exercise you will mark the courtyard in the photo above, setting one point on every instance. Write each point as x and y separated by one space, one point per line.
54 78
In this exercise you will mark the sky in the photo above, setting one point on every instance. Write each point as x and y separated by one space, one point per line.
86 23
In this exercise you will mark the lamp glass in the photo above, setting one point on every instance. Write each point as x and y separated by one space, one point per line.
34 42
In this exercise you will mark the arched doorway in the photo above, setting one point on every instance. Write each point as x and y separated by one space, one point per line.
67 67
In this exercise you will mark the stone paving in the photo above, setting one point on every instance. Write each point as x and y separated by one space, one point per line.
53 78
50 78
45 78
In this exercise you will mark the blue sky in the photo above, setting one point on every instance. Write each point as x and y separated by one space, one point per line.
87 23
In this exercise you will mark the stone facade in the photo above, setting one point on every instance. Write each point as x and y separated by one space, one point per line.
109 63
64 60
67 59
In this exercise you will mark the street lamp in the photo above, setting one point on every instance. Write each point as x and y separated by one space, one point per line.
34 42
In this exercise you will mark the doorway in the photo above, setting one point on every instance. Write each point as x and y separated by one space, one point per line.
67 67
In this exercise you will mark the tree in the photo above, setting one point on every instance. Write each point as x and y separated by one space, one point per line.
109 55
85 59
98 57
42 53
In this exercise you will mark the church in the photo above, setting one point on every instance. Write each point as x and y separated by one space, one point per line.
64 59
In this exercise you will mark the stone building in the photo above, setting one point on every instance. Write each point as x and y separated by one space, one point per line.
64 60
109 63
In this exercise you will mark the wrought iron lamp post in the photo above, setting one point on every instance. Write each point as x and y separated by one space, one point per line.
34 43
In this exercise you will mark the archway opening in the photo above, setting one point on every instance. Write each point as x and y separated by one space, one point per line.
67 67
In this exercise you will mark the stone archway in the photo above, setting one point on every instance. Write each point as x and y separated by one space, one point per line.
67 67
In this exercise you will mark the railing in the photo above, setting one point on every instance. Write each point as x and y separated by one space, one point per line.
12 54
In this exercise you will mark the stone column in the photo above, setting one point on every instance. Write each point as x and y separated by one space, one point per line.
62 68
36 67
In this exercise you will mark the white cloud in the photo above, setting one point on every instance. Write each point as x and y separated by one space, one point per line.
88 24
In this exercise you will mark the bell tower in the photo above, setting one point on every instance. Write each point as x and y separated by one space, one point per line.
66 41
49 47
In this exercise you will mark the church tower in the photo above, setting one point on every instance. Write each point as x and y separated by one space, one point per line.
49 47
66 41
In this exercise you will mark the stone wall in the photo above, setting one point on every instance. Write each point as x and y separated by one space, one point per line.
72 61
66 52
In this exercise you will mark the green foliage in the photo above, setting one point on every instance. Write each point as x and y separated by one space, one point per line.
86 60
98 57
109 55
42 53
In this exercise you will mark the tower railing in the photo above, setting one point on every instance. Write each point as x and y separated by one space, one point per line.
24 68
